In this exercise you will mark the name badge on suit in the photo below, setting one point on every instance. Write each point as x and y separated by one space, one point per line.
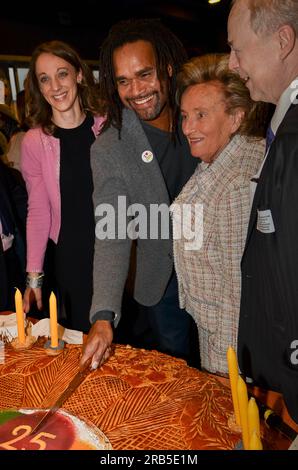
265 222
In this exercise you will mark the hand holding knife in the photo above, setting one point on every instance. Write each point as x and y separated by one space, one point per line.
96 350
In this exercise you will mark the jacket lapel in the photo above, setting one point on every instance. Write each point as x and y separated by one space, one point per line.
253 213
136 142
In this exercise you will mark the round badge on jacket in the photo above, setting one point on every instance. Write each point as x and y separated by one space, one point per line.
147 156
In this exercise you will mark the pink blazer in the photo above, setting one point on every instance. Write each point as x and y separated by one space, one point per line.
40 166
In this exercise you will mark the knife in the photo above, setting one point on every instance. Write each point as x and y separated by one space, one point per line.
76 381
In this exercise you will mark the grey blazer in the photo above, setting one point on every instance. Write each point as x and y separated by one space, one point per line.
119 170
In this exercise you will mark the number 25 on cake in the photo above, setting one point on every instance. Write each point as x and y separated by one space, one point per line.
62 431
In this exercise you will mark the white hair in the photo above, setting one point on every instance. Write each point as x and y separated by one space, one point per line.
266 16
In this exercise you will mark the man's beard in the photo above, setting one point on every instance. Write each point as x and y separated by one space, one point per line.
150 113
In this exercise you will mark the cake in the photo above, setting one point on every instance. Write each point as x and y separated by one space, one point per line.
62 431
140 400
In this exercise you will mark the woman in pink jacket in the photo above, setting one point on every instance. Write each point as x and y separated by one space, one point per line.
65 118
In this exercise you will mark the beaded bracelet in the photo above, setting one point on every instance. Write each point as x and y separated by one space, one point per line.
35 282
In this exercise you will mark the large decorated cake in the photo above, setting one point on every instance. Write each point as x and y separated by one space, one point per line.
138 400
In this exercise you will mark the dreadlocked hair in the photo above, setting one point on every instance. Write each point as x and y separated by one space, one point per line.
167 48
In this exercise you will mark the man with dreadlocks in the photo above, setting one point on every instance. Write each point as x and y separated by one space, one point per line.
141 159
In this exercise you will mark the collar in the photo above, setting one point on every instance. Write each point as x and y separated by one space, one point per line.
287 98
226 156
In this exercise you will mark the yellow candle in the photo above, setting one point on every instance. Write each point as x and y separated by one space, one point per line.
233 375
243 408
20 316
255 442
53 321
253 418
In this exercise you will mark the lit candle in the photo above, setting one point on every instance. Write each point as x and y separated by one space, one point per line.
243 408
255 442
233 375
253 418
53 321
20 316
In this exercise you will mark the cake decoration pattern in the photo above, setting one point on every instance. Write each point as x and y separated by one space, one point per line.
139 399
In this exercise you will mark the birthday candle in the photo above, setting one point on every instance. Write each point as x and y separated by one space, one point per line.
53 321
253 418
243 407
233 375
255 442
20 316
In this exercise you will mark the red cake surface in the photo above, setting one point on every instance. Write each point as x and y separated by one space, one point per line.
61 431
140 400
58 432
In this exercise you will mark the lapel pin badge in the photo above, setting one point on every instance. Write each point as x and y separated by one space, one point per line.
147 156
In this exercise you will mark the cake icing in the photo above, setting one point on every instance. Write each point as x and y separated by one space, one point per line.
62 431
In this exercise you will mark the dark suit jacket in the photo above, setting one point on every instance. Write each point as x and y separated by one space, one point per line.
13 195
268 324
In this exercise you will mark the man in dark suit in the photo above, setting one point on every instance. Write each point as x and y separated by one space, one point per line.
13 207
264 51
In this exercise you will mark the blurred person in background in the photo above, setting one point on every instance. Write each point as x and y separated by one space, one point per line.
14 148
13 211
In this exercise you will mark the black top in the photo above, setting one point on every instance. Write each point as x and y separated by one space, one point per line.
76 180
174 157
75 248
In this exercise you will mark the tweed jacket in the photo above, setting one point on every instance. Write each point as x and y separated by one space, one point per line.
209 276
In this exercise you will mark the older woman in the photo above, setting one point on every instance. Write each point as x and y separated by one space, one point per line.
219 121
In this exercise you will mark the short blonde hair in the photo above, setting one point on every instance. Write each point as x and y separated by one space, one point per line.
214 68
